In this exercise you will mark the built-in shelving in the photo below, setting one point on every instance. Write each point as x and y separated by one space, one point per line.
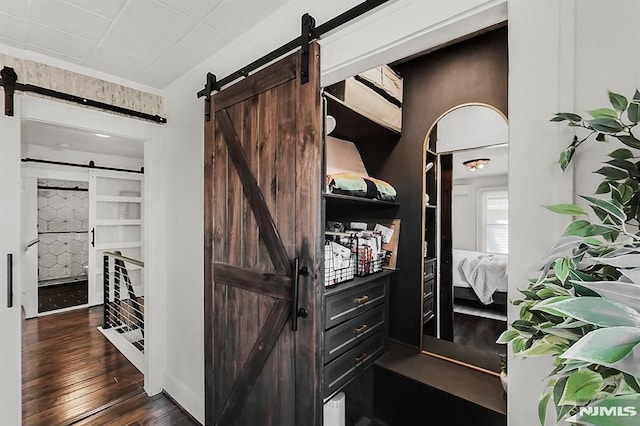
356 122
118 199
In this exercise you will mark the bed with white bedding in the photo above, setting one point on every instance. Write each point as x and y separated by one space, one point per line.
480 276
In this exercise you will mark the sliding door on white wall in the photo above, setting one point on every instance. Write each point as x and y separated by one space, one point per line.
115 224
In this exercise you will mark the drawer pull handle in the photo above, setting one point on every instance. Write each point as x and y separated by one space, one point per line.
360 358
361 300
362 329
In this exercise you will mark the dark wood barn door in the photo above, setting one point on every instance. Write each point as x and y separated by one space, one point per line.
263 156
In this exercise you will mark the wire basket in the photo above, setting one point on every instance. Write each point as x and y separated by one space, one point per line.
339 263
367 246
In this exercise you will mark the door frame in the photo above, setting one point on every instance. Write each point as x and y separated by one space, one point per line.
152 135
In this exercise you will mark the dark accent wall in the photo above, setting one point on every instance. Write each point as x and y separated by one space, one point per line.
474 70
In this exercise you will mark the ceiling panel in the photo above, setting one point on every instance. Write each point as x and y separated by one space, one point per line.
12 28
16 8
111 60
195 8
152 42
209 41
57 41
227 20
107 8
134 42
68 18
156 19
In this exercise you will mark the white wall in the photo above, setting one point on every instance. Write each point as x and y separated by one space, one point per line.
568 66
465 209
420 24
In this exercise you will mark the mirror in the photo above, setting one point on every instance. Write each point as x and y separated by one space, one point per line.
465 224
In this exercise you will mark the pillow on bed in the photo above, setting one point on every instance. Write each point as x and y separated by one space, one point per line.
358 186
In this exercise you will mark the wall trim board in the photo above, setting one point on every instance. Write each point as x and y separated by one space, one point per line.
188 400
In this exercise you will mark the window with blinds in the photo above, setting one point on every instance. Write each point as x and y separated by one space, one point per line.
495 224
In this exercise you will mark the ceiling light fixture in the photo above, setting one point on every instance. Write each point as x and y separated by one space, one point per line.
478 163
102 136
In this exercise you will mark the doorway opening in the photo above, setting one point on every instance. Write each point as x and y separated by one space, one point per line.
63 234
74 215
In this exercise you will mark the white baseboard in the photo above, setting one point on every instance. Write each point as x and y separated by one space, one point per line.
189 400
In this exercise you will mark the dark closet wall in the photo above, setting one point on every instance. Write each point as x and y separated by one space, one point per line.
474 70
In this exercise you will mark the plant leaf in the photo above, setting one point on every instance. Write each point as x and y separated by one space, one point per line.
618 102
594 310
621 154
582 386
629 140
606 125
561 269
623 261
604 113
633 275
603 188
618 291
612 173
507 336
633 112
608 206
542 407
564 116
615 347
578 228
569 209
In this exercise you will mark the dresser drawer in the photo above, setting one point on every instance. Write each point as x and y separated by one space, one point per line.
429 269
427 309
346 335
350 303
428 289
351 363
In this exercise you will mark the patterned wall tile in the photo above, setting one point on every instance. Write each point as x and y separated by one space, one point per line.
61 253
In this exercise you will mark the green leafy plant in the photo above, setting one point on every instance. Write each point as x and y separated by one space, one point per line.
584 307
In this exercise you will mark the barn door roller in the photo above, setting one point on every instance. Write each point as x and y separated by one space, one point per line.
308 34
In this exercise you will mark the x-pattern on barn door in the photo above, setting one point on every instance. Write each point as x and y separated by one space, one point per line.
263 146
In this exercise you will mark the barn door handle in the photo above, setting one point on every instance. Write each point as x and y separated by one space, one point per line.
10 280
295 312
93 237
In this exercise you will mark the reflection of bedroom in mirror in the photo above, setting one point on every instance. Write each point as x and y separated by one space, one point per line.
466 229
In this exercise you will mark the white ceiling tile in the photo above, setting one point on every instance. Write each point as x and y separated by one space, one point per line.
48 38
108 8
195 47
10 42
14 7
236 17
134 42
160 75
68 18
117 63
55 54
156 19
198 9
13 28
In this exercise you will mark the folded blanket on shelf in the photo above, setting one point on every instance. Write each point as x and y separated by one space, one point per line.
358 186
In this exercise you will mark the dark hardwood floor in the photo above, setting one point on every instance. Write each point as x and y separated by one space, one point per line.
72 375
